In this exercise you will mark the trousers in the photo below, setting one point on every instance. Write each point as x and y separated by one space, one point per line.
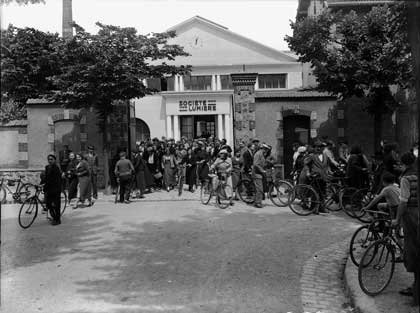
53 204
125 186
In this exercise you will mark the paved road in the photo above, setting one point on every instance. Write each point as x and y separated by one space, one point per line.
162 255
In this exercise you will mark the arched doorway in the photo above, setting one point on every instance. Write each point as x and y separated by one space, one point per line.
142 130
296 129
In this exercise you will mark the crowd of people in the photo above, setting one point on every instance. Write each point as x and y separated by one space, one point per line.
158 165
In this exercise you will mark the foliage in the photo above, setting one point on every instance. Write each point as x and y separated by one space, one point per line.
88 70
11 111
28 58
357 54
98 69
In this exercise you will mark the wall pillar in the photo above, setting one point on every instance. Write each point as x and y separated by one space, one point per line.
181 83
244 106
176 83
176 128
218 83
169 126
220 133
213 83
227 129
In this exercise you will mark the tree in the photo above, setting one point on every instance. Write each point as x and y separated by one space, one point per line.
99 69
358 55
28 58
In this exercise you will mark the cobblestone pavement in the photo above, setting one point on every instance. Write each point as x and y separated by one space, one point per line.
322 283
164 254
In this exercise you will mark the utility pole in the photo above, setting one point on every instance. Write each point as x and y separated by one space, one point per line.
414 38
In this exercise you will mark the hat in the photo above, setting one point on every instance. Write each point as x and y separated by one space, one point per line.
90 147
200 143
223 151
255 140
265 146
301 149
319 144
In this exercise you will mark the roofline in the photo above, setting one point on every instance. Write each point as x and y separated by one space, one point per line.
226 30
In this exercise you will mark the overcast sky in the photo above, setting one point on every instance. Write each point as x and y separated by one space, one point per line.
266 21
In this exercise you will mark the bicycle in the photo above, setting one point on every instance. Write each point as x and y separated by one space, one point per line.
222 191
366 234
277 190
29 209
377 264
21 193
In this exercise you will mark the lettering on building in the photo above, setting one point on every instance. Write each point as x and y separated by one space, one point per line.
197 106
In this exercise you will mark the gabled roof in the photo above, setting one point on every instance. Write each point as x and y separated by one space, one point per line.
234 37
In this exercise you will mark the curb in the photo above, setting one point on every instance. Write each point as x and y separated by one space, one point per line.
322 281
360 301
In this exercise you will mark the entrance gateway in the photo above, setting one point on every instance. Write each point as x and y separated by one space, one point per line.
199 115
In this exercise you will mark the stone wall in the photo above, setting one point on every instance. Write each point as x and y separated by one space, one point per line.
30 175
14 144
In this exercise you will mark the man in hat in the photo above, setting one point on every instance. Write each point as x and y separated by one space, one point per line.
316 167
92 159
259 173
223 165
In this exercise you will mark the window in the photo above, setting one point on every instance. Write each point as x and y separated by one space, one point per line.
187 127
226 81
272 81
197 82
170 83
154 83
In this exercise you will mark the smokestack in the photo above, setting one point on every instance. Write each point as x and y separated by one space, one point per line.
67 19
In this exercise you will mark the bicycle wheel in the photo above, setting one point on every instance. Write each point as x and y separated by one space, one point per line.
360 199
223 198
305 200
63 202
345 199
246 191
332 199
2 194
28 212
206 192
279 193
362 238
26 191
376 267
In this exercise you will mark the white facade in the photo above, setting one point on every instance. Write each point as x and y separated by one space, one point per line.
214 51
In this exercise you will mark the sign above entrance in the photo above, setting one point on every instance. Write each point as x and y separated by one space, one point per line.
198 105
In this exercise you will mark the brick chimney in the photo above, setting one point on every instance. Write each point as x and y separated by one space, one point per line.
67 19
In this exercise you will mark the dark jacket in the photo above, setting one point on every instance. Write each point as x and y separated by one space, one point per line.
316 166
247 160
52 179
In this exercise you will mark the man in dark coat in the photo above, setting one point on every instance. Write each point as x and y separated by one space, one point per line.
139 169
52 189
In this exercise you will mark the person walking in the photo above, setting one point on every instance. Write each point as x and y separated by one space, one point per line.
92 160
258 173
123 171
72 177
52 189
83 175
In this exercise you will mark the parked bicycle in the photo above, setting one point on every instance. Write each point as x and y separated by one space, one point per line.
29 208
377 264
221 191
21 193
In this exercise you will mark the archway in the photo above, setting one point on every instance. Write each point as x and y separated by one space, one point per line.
142 130
296 129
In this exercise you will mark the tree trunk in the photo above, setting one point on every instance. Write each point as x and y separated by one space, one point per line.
377 130
106 156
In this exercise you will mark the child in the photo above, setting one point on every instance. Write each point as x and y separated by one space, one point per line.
391 194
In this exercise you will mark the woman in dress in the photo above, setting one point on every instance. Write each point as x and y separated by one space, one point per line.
169 169
72 177
82 172
191 169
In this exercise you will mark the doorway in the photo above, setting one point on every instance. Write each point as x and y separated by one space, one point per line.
197 126
296 129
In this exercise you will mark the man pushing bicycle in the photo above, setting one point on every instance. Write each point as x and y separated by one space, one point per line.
223 168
